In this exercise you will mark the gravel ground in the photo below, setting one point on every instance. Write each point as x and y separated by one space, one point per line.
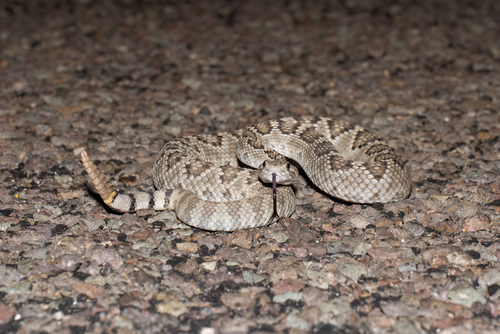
124 77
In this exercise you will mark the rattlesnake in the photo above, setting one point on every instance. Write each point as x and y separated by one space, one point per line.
201 177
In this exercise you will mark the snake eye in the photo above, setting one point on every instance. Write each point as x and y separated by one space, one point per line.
264 164
288 167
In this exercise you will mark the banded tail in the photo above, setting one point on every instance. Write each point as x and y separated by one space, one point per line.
129 202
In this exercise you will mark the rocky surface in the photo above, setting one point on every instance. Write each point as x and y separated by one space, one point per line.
124 77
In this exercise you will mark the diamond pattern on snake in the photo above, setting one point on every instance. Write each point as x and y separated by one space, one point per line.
201 177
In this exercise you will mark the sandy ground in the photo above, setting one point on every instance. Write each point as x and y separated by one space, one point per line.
123 77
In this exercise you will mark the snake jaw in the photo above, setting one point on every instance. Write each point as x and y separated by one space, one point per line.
284 173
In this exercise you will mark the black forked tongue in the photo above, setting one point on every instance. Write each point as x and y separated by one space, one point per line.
274 194
275 211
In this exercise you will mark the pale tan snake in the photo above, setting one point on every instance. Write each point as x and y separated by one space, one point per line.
201 178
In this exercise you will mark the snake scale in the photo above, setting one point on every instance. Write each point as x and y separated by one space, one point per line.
201 177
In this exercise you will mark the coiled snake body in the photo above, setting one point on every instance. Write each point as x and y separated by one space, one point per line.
201 178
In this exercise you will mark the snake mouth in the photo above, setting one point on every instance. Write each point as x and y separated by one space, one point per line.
279 171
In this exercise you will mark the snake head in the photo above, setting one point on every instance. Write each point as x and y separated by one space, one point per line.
285 172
